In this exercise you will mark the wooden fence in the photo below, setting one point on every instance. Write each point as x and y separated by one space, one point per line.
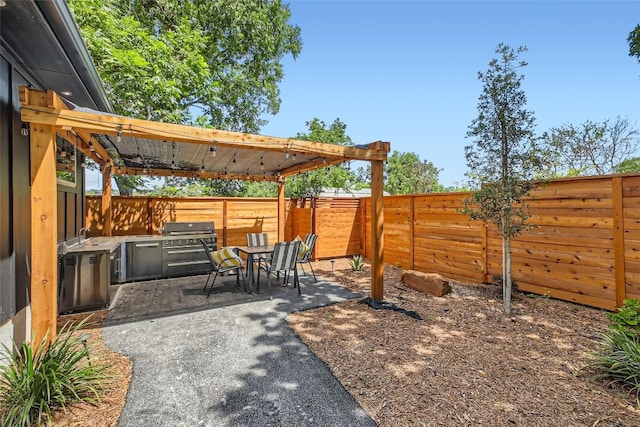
585 247
338 222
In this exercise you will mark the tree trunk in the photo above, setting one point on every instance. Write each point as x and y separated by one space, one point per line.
506 297
123 188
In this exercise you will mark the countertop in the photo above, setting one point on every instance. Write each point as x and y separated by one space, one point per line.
103 244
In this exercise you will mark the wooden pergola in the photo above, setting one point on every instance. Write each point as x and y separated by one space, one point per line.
122 145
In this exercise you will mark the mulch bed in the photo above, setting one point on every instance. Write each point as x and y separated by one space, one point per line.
464 362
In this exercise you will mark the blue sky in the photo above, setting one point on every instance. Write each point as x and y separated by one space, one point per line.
406 72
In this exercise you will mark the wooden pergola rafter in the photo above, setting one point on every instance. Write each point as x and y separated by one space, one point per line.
241 156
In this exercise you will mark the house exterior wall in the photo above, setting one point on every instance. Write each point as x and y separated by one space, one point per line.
15 206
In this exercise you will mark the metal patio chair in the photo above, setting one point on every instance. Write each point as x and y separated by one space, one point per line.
305 258
258 239
284 259
225 261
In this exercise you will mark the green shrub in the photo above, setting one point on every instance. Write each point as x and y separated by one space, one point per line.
619 359
627 318
356 263
36 380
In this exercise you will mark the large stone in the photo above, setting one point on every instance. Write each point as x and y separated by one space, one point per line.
428 283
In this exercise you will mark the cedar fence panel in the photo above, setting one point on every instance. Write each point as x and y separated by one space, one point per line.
585 247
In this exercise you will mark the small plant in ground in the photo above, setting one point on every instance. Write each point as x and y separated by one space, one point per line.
619 359
627 318
36 380
356 263
619 356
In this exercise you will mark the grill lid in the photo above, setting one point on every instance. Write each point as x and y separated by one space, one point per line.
187 228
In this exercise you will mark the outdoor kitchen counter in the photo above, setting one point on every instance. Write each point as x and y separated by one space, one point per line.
108 244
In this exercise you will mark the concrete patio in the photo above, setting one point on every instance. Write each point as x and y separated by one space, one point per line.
230 360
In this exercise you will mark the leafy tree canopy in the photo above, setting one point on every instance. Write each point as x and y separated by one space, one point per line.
634 42
205 62
310 184
407 174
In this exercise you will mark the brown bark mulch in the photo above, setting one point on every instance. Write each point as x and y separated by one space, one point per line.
464 362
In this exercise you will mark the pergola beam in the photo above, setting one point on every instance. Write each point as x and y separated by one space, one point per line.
112 125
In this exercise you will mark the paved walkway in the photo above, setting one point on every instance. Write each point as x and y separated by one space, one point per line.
237 364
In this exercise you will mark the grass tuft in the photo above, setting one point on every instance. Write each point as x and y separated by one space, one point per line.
36 380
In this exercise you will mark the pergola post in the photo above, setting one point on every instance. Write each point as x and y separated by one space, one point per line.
44 221
281 212
377 230
106 201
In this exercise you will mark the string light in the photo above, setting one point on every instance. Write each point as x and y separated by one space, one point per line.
119 136
286 153
261 163
212 151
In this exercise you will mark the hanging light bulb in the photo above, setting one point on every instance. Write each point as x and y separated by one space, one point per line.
119 136
138 158
212 151
294 156
234 158
261 163
286 153
24 129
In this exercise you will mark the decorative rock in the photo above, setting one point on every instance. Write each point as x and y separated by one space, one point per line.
428 283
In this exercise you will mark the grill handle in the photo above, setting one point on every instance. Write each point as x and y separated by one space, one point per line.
147 245
184 251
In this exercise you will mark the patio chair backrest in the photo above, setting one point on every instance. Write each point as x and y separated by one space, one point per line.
285 255
310 241
257 239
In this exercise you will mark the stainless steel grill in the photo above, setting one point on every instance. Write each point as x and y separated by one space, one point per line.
182 253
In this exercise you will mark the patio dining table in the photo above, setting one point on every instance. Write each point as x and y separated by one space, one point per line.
251 252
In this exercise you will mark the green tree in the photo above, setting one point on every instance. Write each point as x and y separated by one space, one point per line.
407 174
629 165
504 156
310 184
589 149
212 63
634 42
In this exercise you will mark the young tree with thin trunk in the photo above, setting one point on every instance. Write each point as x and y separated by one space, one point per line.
503 158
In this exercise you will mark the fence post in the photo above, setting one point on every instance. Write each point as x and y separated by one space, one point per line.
485 269
618 240
150 216
412 237
225 209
